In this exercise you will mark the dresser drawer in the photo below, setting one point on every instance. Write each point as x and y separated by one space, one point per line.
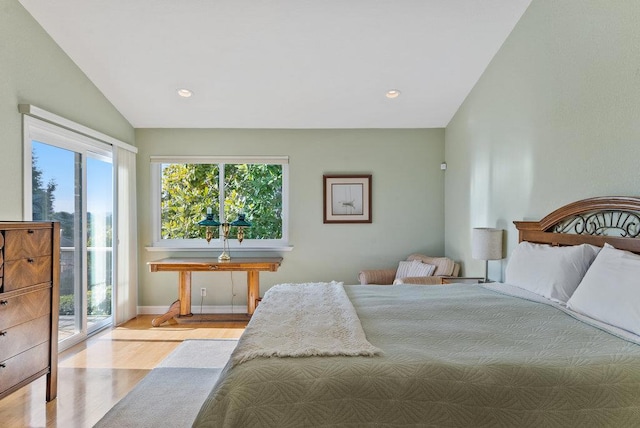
24 307
25 272
16 369
18 339
25 243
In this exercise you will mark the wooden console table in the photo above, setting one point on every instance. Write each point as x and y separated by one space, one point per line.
184 267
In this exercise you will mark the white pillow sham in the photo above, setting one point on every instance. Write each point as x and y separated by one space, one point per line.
551 272
414 268
610 290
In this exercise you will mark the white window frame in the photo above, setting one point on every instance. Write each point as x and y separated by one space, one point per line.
159 244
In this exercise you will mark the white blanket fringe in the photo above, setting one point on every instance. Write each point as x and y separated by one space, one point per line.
301 320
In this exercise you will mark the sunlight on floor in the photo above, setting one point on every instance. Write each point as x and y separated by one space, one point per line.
96 374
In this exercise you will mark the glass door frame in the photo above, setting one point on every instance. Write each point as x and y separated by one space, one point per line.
38 130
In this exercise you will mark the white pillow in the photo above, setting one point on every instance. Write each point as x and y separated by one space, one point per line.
610 291
552 272
414 268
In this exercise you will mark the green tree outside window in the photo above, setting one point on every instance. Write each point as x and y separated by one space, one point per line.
189 189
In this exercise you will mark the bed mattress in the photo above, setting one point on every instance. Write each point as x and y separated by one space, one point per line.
455 355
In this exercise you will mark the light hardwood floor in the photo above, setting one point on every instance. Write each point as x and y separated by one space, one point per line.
94 375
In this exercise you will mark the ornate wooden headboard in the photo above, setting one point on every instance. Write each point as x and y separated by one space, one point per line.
614 220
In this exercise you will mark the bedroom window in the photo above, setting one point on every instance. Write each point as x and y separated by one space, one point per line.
185 187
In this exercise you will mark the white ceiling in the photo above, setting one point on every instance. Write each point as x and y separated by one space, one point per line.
281 63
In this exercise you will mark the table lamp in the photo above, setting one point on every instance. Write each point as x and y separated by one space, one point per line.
486 244
209 222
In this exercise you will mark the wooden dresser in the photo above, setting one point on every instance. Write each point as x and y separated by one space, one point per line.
29 299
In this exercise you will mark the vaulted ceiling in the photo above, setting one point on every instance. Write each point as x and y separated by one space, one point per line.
281 63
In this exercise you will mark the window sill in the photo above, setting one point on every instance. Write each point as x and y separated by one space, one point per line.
159 248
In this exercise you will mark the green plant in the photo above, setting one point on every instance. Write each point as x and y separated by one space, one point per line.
103 307
67 306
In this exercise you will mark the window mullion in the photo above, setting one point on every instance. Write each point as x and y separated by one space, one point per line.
221 193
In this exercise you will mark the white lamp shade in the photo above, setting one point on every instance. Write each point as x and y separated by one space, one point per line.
486 243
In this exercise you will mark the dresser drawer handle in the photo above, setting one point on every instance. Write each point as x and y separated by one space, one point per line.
4 302
213 267
30 232
2 366
3 333
30 260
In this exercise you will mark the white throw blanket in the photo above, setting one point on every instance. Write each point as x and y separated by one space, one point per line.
299 320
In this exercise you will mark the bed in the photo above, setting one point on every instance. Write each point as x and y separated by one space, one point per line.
465 355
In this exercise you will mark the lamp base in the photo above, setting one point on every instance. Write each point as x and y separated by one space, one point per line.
225 246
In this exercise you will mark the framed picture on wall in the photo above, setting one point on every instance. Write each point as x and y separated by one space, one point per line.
347 198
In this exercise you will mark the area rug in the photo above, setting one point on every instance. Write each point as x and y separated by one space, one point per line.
172 393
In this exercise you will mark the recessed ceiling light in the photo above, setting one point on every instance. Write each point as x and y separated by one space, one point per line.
184 93
393 93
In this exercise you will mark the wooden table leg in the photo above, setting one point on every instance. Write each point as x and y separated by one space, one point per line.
184 293
253 290
173 311
182 306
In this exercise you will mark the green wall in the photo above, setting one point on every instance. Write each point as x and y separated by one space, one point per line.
555 118
34 70
407 201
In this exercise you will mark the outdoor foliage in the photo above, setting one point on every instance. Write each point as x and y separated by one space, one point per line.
187 191
252 189
43 195
101 308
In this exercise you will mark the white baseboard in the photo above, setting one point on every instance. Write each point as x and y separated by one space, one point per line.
195 309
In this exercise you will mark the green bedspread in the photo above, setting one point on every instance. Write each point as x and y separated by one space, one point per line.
454 356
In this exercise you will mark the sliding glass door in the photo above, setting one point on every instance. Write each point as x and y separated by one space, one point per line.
56 177
72 183
99 241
